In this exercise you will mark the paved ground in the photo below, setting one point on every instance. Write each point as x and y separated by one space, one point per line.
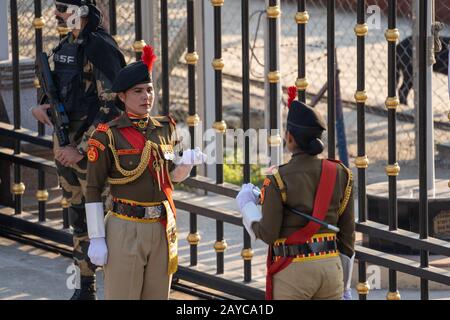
28 273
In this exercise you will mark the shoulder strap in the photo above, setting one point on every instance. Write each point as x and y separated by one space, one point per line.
324 195
280 184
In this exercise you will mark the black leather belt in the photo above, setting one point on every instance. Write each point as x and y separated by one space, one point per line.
304 249
138 211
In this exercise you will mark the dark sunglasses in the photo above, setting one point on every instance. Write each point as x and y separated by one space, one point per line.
62 8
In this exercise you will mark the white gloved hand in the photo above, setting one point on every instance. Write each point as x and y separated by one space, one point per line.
98 251
192 157
245 196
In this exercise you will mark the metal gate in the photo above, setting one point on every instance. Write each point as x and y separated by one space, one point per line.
12 135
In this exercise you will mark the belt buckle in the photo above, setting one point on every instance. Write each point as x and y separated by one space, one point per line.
153 212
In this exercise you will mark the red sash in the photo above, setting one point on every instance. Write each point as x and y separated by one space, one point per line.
321 204
137 141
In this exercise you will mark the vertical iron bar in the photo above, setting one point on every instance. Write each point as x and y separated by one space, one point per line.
273 65
165 58
423 177
16 101
191 72
41 127
219 254
362 160
301 30
112 17
246 117
193 230
392 137
247 262
331 79
138 25
246 86
218 62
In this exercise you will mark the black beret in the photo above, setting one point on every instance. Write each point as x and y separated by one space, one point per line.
130 76
304 117
78 3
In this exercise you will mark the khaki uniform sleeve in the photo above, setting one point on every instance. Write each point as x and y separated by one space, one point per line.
268 229
97 169
346 222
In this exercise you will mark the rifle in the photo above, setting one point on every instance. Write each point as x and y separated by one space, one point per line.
257 193
57 111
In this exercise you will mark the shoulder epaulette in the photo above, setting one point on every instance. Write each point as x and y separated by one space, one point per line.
102 127
273 171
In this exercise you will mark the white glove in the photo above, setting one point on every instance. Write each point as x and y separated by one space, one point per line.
98 252
246 201
245 196
192 157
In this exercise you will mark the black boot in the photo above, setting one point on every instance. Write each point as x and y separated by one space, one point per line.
87 291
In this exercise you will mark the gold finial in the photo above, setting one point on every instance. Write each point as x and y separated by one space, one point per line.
117 38
274 76
247 254
220 246
220 126
36 83
38 23
361 96
362 162
302 17
393 170
42 195
273 12
139 45
18 189
392 103
193 238
361 30
63 31
64 203
302 84
217 3
218 64
392 35
394 296
193 121
275 141
363 288
191 58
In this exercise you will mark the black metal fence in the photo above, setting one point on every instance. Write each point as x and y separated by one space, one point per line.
14 219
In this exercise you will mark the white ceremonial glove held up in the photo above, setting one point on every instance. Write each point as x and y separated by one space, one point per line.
98 252
245 196
192 157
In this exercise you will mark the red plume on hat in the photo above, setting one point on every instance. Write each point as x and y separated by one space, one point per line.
148 57
292 94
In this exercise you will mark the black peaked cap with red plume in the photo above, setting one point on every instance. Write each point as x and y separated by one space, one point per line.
136 73
302 116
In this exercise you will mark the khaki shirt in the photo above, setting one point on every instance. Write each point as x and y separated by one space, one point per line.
301 177
143 190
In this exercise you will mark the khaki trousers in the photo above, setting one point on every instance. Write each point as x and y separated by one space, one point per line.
310 280
137 261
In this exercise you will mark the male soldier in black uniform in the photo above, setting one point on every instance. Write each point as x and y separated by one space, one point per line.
137 245
86 63
305 260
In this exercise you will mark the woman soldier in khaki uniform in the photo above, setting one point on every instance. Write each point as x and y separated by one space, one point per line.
306 260
135 154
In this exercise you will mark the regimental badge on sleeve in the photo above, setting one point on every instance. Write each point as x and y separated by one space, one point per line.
92 154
